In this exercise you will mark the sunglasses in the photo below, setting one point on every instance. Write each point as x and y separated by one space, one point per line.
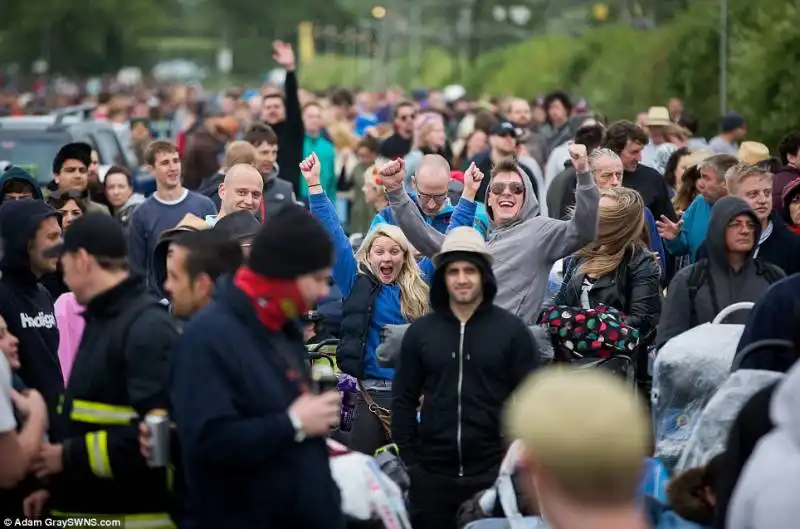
498 188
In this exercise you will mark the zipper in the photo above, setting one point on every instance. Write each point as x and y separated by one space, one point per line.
460 387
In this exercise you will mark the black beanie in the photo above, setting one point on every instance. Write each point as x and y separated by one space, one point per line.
290 244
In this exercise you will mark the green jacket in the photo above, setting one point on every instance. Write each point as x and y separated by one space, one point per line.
327 157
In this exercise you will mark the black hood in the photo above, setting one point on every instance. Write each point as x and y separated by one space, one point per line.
19 175
723 211
19 220
440 298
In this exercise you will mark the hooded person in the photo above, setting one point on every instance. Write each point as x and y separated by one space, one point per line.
27 229
17 183
188 223
258 428
524 245
728 275
765 497
464 359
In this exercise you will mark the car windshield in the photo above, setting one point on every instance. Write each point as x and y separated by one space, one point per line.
35 155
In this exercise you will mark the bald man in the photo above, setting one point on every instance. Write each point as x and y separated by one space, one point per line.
241 190
430 194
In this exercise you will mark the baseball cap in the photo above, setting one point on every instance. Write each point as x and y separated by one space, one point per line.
101 235
506 128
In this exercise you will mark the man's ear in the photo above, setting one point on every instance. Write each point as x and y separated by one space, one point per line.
221 190
56 178
414 181
151 169
203 286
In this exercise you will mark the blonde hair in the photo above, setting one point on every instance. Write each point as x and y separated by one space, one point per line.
239 152
423 126
621 229
739 172
342 136
414 292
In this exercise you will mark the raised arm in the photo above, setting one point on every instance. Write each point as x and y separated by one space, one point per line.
563 238
423 237
345 268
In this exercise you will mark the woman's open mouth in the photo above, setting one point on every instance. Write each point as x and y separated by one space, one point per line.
387 272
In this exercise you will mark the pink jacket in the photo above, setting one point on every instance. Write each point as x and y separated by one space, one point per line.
70 329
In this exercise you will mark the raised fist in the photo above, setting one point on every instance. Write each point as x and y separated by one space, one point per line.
310 168
472 181
393 174
580 159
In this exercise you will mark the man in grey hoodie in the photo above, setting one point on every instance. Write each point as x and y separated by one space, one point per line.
765 496
523 244
729 275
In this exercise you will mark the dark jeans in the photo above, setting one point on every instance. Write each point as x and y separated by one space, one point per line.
435 499
368 434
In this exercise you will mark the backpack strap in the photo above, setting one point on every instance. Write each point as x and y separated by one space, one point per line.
697 278
767 271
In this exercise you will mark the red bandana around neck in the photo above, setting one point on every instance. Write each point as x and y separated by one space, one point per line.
275 301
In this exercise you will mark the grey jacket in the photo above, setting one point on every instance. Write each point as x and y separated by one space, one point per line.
765 496
523 250
729 287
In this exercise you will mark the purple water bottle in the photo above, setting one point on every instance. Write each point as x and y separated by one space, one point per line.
349 388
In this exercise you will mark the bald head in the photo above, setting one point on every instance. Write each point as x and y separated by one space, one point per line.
431 180
241 190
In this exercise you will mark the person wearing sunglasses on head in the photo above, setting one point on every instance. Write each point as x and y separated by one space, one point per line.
523 244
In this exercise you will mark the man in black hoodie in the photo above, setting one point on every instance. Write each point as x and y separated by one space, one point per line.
28 228
464 359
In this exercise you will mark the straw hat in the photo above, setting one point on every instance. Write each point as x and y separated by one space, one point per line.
753 153
658 117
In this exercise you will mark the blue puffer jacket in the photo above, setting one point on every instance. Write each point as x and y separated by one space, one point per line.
440 221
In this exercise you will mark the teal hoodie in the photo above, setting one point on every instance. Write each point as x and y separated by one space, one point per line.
693 230
326 153
21 175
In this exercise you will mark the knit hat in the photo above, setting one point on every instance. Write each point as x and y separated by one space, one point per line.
291 244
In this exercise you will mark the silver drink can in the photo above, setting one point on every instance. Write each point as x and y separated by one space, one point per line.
157 423
323 378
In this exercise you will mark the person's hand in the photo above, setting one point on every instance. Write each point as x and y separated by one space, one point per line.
310 168
33 504
667 229
30 405
317 413
49 461
580 159
283 54
472 182
393 174
144 438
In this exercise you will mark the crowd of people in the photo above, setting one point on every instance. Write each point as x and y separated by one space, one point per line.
497 279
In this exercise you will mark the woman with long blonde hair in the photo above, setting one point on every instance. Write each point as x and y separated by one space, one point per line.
382 284
618 269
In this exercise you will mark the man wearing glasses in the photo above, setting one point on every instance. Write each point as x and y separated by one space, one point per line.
399 144
430 185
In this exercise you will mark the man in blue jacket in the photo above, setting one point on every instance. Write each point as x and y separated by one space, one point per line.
430 195
251 430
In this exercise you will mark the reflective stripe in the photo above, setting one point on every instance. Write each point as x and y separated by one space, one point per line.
97 450
129 521
100 413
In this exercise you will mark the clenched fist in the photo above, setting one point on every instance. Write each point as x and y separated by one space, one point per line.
580 159
472 182
310 169
393 174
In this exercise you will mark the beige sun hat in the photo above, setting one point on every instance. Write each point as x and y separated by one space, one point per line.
463 239
753 152
658 117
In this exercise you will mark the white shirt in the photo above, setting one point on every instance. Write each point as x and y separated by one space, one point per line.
8 423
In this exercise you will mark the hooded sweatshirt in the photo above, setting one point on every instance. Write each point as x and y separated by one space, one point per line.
524 250
765 496
464 383
25 304
722 286
19 175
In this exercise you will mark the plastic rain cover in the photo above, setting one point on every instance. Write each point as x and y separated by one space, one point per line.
710 433
687 372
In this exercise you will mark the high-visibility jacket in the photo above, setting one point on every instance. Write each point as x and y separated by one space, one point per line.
120 373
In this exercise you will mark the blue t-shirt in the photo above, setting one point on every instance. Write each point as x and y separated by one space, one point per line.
152 218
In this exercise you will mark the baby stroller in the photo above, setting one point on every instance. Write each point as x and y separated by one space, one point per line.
686 373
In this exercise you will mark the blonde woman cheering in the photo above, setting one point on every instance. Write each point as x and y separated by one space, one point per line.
382 285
